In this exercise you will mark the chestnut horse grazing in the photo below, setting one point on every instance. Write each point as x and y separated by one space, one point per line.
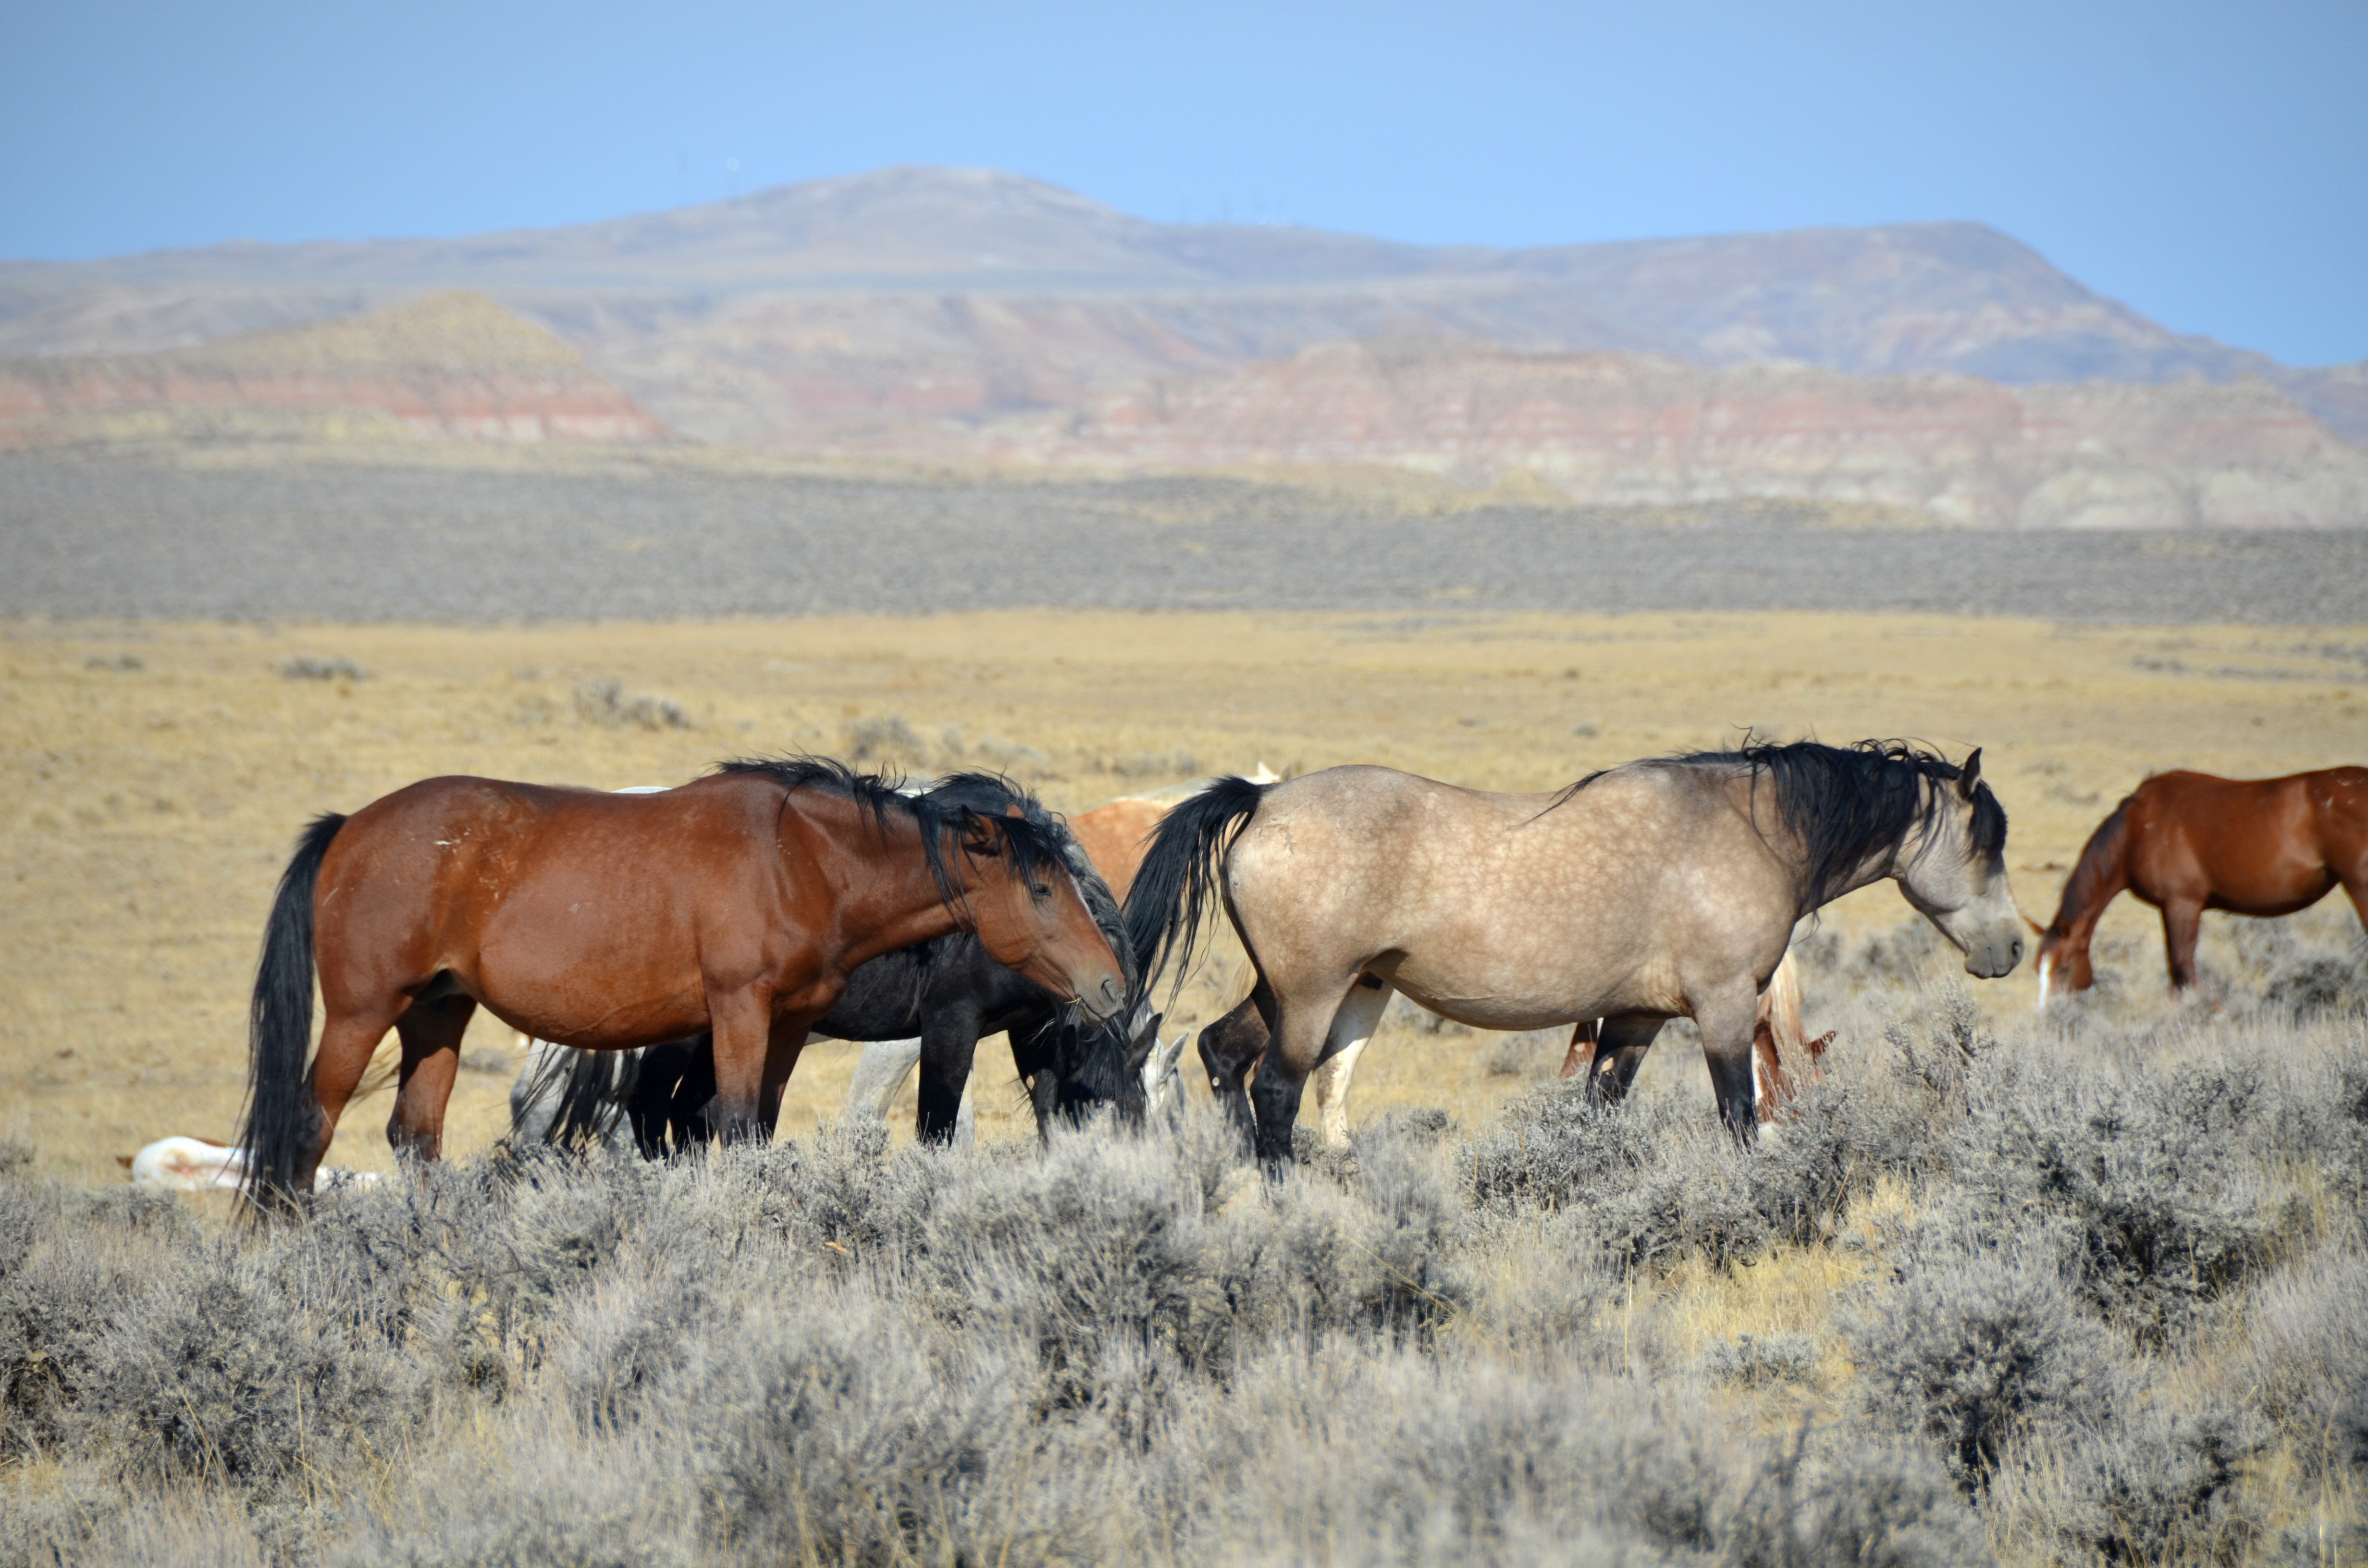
2188 842
736 904
1663 889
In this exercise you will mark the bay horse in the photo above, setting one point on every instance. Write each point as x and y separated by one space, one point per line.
2188 842
736 904
950 992
1664 888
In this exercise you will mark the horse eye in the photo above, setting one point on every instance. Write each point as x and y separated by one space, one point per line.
1040 891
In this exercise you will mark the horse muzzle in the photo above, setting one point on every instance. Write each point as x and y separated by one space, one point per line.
1993 960
1104 1002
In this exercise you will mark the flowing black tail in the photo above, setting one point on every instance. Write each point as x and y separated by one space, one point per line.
1178 877
281 1118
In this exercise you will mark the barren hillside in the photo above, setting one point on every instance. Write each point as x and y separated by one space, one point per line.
1613 429
452 364
826 310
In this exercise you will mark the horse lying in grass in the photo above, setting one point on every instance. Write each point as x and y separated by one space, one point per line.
948 993
1665 888
737 905
2188 842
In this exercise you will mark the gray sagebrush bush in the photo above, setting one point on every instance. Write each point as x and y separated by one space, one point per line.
2150 1187
1100 1239
2305 1359
1657 1180
222 1369
1972 1347
550 1498
839 1433
69 1262
84 1518
1755 1360
2147 1486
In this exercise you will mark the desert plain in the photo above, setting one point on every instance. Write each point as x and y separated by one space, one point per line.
153 775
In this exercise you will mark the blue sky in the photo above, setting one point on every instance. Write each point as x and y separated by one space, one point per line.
2208 163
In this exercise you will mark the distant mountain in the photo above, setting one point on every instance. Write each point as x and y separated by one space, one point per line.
453 366
1642 430
873 310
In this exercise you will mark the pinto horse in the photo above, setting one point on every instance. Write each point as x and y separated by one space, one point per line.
1663 889
736 906
2189 842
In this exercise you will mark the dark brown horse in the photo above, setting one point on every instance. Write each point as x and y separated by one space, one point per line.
735 905
2188 842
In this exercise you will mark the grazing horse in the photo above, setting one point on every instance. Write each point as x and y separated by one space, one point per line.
1662 888
737 905
949 993
2188 842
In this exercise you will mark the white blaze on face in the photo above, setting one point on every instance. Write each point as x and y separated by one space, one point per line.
2046 971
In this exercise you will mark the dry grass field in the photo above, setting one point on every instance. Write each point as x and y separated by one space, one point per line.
153 777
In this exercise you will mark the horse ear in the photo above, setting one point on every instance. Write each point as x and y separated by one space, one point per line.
978 837
1013 810
1970 775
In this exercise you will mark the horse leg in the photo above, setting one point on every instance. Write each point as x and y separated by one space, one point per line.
1333 1073
744 1033
1585 1037
1621 1045
348 1044
1725 1018
2182 921
949 1046
431 1058
782 1049
1229 1048
1293 1053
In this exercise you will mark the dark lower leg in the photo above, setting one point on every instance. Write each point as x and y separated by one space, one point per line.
1274 1095
2182 923
1620 1051
431 1058
949 1046
1230 1048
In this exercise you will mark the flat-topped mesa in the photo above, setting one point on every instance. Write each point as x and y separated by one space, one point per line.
453 366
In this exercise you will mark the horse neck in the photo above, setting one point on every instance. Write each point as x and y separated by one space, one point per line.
887 897
2099 878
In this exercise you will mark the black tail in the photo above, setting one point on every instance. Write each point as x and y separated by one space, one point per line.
281 1118
1178 877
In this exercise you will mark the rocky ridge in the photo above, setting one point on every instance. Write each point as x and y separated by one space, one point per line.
1622 429
450 366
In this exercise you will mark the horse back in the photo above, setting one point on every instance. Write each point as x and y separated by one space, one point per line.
524 892
2254 846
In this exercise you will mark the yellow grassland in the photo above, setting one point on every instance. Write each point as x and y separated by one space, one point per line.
146 811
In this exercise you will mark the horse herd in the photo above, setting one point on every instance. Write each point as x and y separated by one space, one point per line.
678 947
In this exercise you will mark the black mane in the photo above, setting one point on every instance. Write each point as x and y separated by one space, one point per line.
990 795
1031 840
1846 804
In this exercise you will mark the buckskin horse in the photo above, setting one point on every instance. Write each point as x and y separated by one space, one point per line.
949 993
2188 842
736 904
1666 888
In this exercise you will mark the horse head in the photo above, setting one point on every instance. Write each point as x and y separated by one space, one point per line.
1956 877
1031 914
